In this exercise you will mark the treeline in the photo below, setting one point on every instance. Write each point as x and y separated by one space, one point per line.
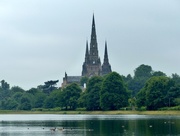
146 90
153 90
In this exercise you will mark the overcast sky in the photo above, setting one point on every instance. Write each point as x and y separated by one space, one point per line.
41 39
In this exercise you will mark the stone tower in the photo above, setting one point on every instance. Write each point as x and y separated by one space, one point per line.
92 64
106 67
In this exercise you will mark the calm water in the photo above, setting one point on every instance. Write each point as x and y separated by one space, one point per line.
89 125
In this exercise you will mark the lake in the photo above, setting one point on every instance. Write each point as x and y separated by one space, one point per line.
89 125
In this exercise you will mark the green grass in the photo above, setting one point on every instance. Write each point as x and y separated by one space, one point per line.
118 112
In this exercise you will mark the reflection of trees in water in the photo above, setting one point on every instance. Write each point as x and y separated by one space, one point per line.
154 127
105 126
113 127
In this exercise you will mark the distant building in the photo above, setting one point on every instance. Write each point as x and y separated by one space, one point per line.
92 64
70 79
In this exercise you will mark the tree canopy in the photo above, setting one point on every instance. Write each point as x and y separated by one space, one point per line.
93 93
70 96
114 94
154 95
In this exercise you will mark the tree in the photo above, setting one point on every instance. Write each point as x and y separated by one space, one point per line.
17 89
82 100
57 97
49 86
173 95
33 91
128 78
11 104
39 100
177 101
158 73
143 71
54 99
5 92
4 85
25 103
17 96
49 102
132 103
155 93
176 79
93 93
114 94
141 75
141 98
136 84
70 97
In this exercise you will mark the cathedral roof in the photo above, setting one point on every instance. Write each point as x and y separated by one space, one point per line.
72 79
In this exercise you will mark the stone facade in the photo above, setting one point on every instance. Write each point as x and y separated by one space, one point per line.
70 79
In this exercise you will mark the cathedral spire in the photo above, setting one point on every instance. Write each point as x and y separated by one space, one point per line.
93 32
106 60
92 64
106 67
93 42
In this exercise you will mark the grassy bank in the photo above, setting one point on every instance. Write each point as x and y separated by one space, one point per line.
95 112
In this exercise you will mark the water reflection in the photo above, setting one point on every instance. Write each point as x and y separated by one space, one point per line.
89 125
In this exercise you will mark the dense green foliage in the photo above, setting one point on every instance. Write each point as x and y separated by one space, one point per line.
93 93
70 96
114 94
155 94
141 75
147 89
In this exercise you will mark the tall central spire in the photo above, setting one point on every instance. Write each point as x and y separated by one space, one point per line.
93 32
92 64
93 42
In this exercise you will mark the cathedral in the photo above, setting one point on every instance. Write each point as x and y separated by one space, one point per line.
92 63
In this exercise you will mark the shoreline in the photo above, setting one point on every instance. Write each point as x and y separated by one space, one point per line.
118 112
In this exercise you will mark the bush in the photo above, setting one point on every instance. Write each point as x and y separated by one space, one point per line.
142 109
37 109
56 109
